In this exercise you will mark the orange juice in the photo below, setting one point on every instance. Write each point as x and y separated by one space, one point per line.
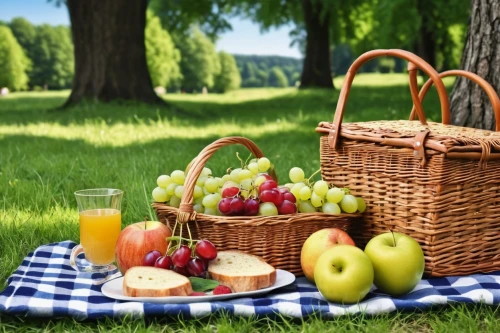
99 231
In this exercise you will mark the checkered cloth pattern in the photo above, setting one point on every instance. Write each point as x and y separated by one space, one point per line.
45 285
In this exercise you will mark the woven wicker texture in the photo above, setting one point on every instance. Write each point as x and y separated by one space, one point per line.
277 239
438 183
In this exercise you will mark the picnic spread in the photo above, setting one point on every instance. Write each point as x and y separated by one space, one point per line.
45 285
420 200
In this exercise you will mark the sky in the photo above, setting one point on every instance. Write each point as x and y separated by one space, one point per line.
245 38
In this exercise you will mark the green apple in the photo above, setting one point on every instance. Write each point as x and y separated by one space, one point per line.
398 262
343 274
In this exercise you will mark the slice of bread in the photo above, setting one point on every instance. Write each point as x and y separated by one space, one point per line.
241 271
142 281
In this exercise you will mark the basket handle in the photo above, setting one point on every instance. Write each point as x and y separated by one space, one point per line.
490 91
414 63
197 165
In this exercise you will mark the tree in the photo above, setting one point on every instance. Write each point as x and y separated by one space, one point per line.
277 78
162 56
13 61
229 77
110 52
25 34
469 104
324 21
199 62
52 57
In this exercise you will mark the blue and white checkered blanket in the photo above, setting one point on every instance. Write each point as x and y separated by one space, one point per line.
45 285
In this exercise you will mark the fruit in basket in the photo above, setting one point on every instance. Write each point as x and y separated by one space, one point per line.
349 204
268 209
319 242
343 274
398 262
138 239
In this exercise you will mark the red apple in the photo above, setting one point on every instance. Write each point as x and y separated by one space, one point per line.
319 242
138 239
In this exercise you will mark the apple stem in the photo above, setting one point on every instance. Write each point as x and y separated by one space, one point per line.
394 238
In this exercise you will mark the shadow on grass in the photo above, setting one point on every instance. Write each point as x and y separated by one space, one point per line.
307 106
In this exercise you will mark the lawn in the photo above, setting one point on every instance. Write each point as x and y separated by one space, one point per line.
46 154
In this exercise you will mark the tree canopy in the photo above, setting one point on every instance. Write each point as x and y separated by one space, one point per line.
277 78
229 77
13 61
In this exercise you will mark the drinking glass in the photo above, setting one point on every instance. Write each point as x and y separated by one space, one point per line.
100 226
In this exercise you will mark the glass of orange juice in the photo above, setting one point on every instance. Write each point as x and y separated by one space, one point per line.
100 226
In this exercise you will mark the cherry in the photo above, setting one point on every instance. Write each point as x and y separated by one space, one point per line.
182 270
181 256
196 267
206 250
164 262
150 258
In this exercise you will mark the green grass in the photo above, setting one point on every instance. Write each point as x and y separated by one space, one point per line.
46 154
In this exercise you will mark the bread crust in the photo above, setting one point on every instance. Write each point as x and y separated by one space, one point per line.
245 283
184 289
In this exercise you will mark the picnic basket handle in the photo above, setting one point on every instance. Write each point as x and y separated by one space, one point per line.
490 91
414 63
196 166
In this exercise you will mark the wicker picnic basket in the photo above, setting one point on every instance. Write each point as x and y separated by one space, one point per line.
436 182
277 239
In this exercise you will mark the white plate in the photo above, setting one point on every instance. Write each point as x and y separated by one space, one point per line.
113 289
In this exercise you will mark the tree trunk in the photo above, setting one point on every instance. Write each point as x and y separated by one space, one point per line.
469 104
425 45
110 54
317 70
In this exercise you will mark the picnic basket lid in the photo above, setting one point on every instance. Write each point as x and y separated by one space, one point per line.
454 141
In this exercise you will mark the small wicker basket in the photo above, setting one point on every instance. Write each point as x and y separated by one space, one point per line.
436 182
277 239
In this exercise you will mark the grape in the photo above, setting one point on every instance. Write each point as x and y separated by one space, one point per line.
206 172
253 167
305 193
245 174
289 185
198 208
164 181
296 189
321 188
175 201
226 178
224 207
178 177
201 181
316 200
290 197
251 207
349 204
211 211
335 195
246 183
264 164
267 185
210 201
160 194
235 175
259 180
198 201
197 192
196 267
273 196
181 256
211 185
306 207
171 188
331 208
164 262
296 175
361 204
230 192
284 189
179 191
206 250
287 207
220 181
237 206
268 209
150 258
